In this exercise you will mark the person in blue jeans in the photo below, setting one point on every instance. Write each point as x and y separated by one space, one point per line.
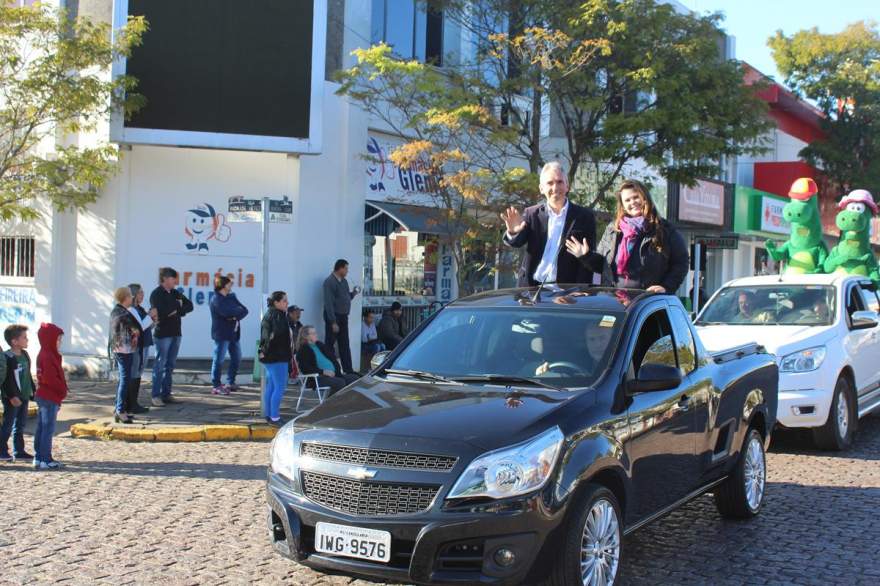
123 347
275 353
226 315
51 392
170 305
17 391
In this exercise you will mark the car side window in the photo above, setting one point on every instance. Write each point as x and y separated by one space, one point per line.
684 341
869 297
654 343
854 301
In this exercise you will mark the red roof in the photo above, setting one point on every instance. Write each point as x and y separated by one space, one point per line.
793 115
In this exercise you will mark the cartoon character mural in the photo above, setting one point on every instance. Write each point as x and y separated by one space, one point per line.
805 251
853 254
203 223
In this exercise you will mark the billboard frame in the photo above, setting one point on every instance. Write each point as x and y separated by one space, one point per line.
121 134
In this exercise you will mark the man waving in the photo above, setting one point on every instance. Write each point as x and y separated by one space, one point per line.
544 228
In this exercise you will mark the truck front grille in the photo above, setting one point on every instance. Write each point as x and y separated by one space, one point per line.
379 458
367 498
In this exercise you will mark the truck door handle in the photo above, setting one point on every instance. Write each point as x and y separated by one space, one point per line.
684 403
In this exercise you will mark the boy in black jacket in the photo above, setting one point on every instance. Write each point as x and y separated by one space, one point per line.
16 391
170 305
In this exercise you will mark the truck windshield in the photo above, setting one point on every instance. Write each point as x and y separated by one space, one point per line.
807 305
561 348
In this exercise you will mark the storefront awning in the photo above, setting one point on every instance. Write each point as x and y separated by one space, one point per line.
382 218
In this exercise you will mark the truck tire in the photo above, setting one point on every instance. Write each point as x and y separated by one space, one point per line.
740 496
837 433
592 542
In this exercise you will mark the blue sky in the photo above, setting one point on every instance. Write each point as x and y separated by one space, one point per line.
752 22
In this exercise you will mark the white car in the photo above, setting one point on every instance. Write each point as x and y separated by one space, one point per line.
824 332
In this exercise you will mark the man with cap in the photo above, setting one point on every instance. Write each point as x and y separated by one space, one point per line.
294 313
391 332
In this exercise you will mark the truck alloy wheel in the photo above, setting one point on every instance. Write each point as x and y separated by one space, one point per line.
740 496
839 428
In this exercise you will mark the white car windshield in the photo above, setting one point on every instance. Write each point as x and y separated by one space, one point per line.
560 348
808 305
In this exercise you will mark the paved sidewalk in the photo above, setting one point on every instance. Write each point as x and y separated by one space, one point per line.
199 416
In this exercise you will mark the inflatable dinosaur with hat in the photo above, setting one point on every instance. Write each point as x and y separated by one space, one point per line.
805 251
853 254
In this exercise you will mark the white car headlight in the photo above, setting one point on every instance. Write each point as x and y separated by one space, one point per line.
281 452
803 361
511 471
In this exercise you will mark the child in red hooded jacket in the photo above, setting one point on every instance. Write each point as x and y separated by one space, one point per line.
51 391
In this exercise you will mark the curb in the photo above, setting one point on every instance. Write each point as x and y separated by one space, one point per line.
178 433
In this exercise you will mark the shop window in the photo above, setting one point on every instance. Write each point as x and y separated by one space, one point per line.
411 29
411 270
17 256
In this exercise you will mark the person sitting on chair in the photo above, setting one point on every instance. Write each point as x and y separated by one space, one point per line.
314 357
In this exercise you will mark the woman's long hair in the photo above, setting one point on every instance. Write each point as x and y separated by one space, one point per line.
652 218
301 340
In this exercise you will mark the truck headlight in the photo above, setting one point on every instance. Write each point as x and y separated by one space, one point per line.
511 471
803 361
281 452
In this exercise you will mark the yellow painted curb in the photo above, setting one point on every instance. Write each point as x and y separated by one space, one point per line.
132 434
180 434
90 430
263 432
227 433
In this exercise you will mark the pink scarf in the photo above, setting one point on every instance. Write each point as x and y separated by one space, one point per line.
632 228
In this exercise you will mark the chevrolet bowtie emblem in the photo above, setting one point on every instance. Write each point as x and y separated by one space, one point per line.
361 473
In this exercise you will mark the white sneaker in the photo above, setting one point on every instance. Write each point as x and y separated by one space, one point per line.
40 465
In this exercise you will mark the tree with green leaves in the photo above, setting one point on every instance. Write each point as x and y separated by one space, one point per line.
840 72
54 84
603 85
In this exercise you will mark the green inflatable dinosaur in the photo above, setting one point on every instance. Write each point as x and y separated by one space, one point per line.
853 255
805 251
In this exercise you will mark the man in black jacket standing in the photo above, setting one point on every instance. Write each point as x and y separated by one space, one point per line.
543 230
337 306
170 305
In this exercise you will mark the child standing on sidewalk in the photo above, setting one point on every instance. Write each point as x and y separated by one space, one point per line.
17 390
51 391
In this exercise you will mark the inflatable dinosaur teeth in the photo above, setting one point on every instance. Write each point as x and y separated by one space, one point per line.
805 251
853 254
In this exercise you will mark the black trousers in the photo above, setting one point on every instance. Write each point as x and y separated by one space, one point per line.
340 338
336 383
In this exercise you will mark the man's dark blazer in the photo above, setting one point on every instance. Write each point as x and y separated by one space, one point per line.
579 222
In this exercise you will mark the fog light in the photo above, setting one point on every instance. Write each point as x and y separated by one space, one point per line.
804 410
505 557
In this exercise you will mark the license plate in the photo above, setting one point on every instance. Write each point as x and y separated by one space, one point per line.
353 542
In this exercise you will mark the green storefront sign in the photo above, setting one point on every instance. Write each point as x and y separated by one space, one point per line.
758 213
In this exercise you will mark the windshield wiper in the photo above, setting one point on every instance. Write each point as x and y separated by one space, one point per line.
419 374
504 378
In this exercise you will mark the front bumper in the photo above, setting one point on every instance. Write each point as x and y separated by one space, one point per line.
434 547
805 398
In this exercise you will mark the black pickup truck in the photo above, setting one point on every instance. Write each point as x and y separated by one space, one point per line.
517 436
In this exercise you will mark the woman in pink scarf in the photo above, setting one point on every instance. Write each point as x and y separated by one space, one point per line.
639 250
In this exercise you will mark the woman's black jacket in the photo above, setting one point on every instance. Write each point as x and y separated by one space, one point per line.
274 337
308 363
652 267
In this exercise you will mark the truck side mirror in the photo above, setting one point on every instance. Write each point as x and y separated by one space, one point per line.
654 377
863 320
378 358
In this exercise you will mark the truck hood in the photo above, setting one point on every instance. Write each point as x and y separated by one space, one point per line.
779 340
484 416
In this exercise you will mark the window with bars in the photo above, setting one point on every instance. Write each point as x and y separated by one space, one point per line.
17 256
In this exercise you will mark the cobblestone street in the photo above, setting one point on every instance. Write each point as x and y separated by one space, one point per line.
194 514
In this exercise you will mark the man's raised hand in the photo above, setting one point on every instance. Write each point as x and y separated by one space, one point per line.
576 248
513 220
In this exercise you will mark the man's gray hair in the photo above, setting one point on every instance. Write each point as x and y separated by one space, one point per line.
554 165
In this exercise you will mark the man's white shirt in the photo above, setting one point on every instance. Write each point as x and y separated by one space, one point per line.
546 270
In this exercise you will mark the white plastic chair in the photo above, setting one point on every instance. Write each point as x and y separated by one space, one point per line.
304 383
